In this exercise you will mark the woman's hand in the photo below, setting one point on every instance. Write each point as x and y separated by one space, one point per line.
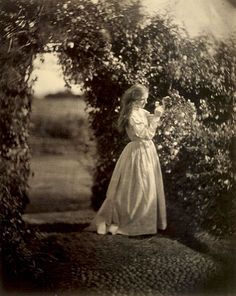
159 109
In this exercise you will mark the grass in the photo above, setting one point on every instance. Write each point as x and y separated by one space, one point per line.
58 120
59 183
63 155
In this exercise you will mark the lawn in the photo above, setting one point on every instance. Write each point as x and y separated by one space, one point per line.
62 163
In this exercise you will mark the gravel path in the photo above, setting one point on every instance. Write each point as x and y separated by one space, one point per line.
91 264
168 263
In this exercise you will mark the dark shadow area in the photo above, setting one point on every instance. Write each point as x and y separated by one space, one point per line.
222 251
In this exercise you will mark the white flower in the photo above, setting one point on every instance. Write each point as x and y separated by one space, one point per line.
106 63
188 175
204 116
207 158
24 111
71 44
31 24
174 152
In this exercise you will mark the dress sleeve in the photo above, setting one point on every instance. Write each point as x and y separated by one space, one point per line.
144 128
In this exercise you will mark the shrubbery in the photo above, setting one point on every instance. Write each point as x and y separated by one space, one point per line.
197 166
64 127
60 126
62 95
19 44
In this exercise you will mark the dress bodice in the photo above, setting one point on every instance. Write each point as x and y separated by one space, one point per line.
142 125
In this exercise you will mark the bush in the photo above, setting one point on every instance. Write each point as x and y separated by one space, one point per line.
197 167
19 44
64 127
62 95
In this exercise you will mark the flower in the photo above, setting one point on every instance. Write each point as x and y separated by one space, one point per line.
70 44
226 182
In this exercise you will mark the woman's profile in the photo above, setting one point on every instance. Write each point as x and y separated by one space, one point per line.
135 200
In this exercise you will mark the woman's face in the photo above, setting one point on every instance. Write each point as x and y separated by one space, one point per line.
143 101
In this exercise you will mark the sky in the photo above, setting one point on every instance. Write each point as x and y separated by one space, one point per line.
49 76
214 17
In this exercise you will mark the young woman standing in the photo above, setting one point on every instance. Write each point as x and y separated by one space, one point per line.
135 200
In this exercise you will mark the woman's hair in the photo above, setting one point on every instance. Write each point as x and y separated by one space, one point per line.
131 95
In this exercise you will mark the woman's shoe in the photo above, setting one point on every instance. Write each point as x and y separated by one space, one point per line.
113 229
101 228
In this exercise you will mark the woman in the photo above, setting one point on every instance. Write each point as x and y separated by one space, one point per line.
135 201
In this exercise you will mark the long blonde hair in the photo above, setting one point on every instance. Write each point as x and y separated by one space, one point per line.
131 95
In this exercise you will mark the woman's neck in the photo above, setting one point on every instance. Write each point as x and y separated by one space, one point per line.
136 106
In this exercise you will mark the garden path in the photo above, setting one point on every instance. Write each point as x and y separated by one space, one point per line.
163 264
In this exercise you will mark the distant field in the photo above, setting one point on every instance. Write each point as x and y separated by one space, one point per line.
62 156
60 183
58 107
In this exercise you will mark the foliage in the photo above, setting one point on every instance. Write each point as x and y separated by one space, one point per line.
113 50
19 43
18 258
197 166
62 95
64 127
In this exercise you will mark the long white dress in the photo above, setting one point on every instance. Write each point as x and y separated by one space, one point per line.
135 200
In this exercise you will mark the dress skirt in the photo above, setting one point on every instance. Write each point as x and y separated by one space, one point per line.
135 201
